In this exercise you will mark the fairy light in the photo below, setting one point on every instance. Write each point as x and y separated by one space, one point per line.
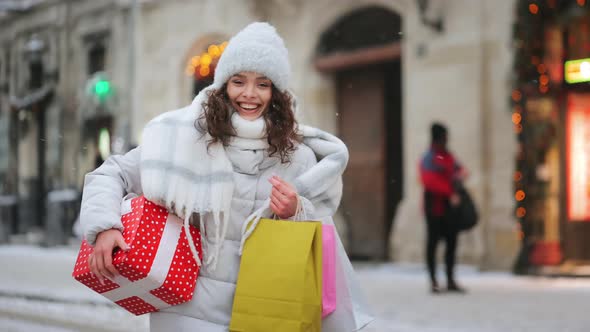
544 79
203 65
206 60
520 212
517 176
214 51
204 71
516 95
520 195
516 118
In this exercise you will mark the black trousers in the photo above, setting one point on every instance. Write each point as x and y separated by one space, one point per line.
440 228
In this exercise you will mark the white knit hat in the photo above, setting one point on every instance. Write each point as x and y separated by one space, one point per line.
257 48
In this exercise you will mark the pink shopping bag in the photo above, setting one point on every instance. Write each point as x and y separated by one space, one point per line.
328 270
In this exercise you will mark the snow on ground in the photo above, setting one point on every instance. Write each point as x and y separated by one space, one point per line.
495 302
37 293
42 272
14 325
28 315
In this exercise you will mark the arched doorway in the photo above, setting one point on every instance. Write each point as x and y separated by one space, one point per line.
362 51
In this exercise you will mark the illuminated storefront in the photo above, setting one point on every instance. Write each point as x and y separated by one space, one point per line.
551 115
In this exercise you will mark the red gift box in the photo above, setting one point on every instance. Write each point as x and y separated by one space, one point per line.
158 271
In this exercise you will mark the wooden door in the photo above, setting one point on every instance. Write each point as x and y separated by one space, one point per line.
361 108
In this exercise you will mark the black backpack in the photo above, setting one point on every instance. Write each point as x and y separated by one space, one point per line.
464 216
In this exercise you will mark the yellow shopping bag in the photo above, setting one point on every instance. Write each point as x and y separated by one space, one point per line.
279 286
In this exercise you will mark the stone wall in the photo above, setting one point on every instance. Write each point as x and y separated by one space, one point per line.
459 76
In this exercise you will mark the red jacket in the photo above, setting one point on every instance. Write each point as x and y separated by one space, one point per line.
438 168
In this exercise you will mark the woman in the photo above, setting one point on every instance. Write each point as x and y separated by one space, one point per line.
438 170
235 151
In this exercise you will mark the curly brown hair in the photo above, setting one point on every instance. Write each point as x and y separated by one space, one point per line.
281 126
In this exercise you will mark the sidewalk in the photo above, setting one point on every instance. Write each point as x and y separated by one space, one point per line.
36 285
44 273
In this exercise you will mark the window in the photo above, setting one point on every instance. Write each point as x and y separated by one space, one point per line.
96 58
36 75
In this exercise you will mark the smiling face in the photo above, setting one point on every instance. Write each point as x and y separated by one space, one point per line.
250 94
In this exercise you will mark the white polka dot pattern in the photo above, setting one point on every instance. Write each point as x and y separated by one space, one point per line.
136 305
82 271
143 228
147 221
182 276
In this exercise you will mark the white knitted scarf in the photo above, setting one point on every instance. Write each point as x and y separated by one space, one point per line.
181 172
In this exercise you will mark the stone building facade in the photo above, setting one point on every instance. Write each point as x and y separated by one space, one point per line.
376 73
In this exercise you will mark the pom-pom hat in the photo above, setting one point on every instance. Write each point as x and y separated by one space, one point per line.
256 48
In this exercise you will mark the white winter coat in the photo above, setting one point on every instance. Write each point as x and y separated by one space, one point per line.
210 308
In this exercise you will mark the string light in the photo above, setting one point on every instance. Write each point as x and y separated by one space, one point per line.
204 71
516 118
520 195
516 96
206 60
519 232
533 8
214 51
544 79
203 65
520 212
517 176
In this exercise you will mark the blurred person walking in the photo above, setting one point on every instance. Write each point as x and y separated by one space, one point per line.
438 171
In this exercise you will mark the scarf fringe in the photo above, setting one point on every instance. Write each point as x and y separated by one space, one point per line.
190 239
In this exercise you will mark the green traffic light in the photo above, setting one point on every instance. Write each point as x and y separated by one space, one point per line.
102 88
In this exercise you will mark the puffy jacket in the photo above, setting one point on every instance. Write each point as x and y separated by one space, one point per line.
437 171
210 309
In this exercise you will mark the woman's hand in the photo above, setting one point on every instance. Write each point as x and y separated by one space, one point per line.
455 200
283 198
101 260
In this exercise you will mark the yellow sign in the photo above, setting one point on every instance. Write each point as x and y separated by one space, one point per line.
577 71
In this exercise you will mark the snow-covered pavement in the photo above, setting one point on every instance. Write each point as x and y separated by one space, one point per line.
496 302
37 293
